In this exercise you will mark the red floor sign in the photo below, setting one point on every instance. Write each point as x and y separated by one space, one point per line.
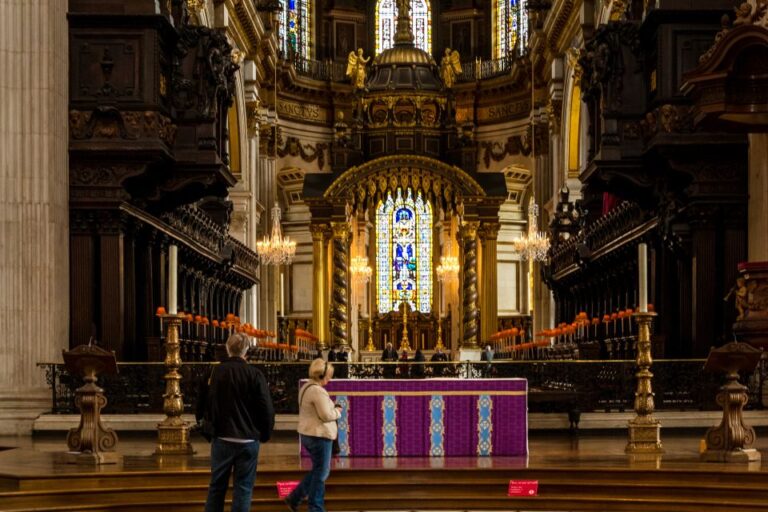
523 488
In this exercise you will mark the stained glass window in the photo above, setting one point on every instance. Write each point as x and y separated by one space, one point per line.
510 27
404 252
295 23
386 24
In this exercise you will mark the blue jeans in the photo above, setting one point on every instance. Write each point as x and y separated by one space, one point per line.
226 456
312 486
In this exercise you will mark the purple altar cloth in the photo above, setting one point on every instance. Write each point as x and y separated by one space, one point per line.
432 417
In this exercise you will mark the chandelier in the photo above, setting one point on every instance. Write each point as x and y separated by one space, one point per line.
448 268
361 271
535 244
276 249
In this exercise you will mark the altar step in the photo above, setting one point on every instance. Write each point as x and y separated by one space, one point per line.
410 487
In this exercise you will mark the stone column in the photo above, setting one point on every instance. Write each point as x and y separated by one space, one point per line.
468 238
488 232
34 187
269 275
340 284
320 237
758 197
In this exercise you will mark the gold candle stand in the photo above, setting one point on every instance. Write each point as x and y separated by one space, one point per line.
173 431
644 430
439 345
404 345
370 347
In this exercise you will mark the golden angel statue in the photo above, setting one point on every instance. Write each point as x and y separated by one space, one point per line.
450 67
356 68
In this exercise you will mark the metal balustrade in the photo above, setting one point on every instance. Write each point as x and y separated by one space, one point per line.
585 385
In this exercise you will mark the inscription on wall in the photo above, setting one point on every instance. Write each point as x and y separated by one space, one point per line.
504 112
302 111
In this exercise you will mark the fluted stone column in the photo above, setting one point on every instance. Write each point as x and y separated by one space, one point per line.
34 188
488 233
340 284
320 236
468 237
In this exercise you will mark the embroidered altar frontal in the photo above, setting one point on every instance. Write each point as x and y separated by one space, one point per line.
391 418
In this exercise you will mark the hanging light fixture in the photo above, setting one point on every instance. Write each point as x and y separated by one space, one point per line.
535 245
276 249
448 268
360 270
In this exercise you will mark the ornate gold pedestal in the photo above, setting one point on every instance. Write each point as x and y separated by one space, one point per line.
644 430
728 441
91 442
173 432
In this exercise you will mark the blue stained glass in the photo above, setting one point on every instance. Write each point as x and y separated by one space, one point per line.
404 252
386 21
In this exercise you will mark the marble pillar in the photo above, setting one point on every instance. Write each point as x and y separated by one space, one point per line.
340 284
489 310
34 188
758 197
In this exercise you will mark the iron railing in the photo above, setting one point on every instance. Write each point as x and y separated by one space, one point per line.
554 385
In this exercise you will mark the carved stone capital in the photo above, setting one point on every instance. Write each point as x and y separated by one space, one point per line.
341 231
488 230
468 230
320 232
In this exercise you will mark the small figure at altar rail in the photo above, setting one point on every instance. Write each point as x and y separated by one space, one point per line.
389 356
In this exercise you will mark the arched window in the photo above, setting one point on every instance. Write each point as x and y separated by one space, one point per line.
386 24
404 252
510 34
295 23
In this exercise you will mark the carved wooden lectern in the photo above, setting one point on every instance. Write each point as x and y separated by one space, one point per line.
91 442
729 441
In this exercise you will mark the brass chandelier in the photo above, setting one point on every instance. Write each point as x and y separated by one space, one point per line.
276 249
535 245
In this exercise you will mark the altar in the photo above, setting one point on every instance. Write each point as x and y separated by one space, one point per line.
432 417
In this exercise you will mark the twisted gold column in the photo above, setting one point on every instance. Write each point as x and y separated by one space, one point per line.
320 235
488 234
644 429
173 432
468 235
340 283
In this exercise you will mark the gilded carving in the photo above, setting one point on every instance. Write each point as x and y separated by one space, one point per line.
751 12
110 123
450 67
356 72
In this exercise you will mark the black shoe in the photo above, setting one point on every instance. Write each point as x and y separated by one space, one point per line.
291 506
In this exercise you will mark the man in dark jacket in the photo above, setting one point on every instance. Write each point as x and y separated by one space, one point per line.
237 402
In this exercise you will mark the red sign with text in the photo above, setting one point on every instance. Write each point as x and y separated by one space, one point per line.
285 488
523 488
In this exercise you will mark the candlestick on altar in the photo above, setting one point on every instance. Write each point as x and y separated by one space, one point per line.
644 429
173 273
404 345
642 271
173 431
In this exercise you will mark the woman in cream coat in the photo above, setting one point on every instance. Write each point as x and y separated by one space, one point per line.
317 429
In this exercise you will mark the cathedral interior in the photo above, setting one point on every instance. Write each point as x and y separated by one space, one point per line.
441 175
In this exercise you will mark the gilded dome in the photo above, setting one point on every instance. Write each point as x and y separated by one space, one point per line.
404 68
403 54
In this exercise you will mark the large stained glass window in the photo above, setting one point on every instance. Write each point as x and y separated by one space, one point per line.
404 252
510 27
386 24
295 23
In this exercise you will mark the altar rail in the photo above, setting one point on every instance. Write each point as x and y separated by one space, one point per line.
554 385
